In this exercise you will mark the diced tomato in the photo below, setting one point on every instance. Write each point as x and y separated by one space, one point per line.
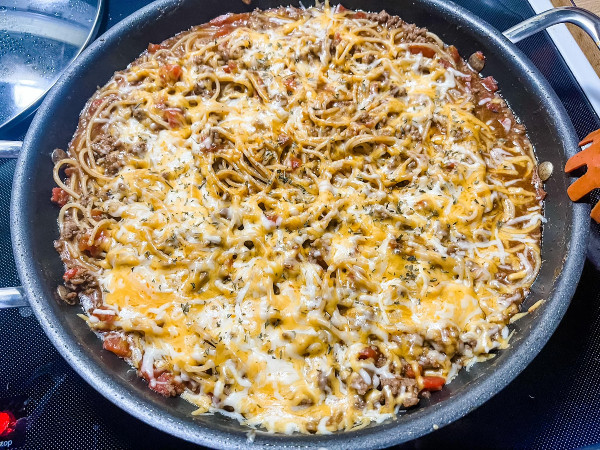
59 196
433 383
454 52
161 384
409 372
94 105
295 162
96 214
116 343
367 353
230 67
104 317
84 243
174 116
160 101
426 51
490 83
224 19
272 217
290 83
170 73
166 385
224 30
540 193
228 22
359 15
283 140
97 246
71 273
340 9
153 48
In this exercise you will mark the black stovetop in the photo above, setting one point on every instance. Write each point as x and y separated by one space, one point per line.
554 403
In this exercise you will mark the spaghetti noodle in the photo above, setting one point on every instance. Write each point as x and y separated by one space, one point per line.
303 219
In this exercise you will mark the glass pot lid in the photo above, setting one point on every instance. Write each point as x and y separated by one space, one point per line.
38 40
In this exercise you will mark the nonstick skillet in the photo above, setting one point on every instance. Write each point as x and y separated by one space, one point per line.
33 220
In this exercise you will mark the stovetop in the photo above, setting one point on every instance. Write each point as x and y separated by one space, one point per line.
554 403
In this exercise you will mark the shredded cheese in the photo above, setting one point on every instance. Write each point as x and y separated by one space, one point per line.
319 225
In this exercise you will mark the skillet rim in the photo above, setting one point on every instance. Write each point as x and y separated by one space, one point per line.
419 423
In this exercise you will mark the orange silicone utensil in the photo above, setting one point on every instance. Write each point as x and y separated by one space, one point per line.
590 157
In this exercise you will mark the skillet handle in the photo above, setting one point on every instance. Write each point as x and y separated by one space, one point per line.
10 149
588 22
12 297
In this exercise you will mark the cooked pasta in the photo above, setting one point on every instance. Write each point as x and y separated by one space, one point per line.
304 219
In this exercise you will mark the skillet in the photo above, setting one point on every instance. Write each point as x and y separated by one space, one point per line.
33 223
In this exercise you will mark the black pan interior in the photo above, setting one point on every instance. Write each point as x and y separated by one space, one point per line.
34 224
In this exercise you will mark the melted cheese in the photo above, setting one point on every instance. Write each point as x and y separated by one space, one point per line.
262 243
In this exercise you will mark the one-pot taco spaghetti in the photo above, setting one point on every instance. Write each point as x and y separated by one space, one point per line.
304 219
